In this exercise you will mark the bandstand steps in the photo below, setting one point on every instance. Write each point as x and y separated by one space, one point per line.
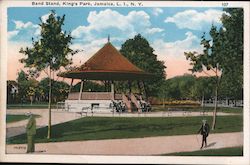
135 101
127 102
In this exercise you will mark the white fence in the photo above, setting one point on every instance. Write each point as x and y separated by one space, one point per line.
224 103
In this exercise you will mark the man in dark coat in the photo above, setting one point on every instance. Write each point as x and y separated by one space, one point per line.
31 131
204 131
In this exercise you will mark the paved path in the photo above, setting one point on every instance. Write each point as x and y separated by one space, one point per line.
135 146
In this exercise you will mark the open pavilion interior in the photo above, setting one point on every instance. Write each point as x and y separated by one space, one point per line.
108 65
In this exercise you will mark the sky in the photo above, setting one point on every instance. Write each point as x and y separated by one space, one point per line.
171 31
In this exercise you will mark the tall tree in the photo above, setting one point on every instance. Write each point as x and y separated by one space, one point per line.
22 81
50 52
141 54
223 54
209 60
233 52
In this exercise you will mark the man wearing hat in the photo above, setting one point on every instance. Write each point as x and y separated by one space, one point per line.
31 131
204 130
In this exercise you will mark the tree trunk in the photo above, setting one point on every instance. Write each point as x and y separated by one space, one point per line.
215 107
50 91
202 100
31 100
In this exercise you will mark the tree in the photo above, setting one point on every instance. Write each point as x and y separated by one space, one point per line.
141 54
210 60
22 81
180 87
61 90
203 88
89 86
186 85
50 52
31 90
12 91
233 52
223 54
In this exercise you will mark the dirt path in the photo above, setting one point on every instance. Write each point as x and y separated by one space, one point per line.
135 146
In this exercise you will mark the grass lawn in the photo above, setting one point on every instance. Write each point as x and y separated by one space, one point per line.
234 151
29 106
96 128
198 108
15 118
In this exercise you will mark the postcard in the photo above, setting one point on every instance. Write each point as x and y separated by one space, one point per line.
163 82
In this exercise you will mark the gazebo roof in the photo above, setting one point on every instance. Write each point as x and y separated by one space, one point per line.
107 64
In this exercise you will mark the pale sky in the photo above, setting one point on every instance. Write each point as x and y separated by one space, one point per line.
170 31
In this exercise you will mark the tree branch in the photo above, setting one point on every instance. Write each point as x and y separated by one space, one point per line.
214 70
207 73
46 73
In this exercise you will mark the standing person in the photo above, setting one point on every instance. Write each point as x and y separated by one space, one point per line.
204 130
31 131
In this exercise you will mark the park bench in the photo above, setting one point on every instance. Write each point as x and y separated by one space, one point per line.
84 111
184 112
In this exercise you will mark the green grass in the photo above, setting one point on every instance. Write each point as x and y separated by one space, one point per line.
29 106
234 151
96 128
15 118
198 108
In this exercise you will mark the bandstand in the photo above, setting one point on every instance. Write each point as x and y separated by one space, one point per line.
107 64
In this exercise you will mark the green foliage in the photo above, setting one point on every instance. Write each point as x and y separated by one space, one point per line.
52 48
195 108
90 86
232 53
49 52
60 90
141 54
187 87
223 53
204 88
12 96
31 90
97 128
26 87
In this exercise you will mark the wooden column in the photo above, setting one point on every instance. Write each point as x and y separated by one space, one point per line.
129 87
80 93
113 90
144 90
71 84
140 91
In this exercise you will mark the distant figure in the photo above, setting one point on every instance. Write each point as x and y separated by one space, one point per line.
204 130
31 131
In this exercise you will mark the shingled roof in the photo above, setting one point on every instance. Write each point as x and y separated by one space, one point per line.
107 64
109 59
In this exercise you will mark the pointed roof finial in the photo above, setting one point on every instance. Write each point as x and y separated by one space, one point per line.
108 38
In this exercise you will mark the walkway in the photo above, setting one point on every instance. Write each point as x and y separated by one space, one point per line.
135 146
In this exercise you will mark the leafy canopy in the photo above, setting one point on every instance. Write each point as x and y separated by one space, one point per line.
52 48
141 54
